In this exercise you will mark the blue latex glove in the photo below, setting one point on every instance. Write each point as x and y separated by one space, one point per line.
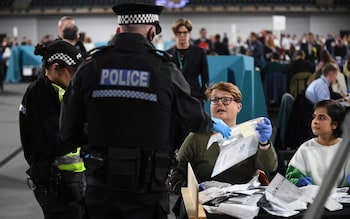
349 180
265 130
220 126
304 181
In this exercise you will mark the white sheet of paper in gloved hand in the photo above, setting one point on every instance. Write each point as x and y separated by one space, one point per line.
242 144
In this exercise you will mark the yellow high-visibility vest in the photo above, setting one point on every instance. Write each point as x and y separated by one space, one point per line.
71 161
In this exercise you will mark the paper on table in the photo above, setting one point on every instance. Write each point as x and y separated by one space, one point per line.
284 195
234 210
239 211
242 144
281 188
310 192
209 194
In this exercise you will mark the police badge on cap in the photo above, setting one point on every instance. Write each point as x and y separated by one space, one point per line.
136 13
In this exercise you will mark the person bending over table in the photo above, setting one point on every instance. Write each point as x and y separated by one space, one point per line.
225 103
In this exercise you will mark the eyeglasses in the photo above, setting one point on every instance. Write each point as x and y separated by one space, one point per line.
181 32
224 100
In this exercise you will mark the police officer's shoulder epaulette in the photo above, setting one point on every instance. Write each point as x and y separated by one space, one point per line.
162 54
95 51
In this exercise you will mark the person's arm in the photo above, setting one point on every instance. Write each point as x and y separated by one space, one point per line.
295 176
204 72
187 108
266 155
186 154
296 169
73 112
267 158
43 118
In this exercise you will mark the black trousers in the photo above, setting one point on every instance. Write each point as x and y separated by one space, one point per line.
66 201
103 203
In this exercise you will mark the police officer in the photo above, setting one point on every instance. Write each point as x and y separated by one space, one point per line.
126 95
56 173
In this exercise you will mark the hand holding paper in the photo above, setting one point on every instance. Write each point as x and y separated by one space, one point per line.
265 130
304 181
220 126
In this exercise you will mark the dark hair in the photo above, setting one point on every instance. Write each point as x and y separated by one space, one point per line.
41 50
301 53
70 32
329 67
181 22
325 56
336 111
275 56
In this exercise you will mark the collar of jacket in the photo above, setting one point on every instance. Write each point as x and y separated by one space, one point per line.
132 42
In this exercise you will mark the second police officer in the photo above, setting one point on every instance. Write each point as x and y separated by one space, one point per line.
126 95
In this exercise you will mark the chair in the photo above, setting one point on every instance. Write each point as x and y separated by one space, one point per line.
284 156
298 83
299 124
283 117
274 85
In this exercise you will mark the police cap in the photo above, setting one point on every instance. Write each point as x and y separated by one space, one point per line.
59 51
136 13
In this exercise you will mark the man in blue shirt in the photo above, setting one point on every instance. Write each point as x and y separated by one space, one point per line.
319 89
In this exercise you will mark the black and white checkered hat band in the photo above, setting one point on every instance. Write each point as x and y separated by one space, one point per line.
61 56
138 19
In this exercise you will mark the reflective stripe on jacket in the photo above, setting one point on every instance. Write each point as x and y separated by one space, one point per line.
71 161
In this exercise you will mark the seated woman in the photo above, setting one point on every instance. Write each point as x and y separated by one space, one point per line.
225 103
311 161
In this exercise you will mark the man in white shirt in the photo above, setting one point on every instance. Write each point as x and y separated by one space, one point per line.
319 89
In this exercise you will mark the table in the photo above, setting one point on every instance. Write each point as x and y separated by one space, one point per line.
341 214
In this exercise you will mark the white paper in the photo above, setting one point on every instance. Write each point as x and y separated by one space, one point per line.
239 211
209 194
283 189
310 192
242 144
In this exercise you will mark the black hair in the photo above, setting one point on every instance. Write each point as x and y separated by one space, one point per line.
336 111
41 49
275 56
70 32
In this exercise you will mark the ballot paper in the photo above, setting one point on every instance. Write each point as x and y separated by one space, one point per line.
234 210
342 195
310 192
285 199
242 144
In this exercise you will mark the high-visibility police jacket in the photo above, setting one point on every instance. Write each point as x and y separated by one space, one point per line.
39 128
127 94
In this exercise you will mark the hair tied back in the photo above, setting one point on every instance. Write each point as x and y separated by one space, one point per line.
40 49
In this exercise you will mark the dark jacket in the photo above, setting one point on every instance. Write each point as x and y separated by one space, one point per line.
39 128
314 55
194 64
127 94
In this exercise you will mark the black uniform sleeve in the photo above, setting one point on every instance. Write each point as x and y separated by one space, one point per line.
39 122
187 108
73 111
204 75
